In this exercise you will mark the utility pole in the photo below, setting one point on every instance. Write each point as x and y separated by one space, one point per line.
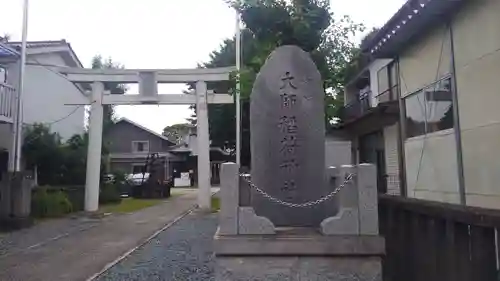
18 129
238 89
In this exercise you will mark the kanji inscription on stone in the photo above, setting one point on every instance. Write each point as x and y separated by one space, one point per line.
287 137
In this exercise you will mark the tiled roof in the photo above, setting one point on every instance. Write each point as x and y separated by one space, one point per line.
414 17
39 44
46 44
6 51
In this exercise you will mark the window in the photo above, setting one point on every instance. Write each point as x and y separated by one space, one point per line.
383 80
430 109
3 74
137 168
140 146
387 83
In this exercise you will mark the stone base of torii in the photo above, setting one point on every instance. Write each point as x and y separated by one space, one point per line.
148 80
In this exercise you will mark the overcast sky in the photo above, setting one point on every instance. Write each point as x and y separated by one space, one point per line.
151 34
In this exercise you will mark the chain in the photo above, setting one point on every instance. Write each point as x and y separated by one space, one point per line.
327 197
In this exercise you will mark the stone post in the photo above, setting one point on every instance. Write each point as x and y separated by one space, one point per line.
5 196
229 196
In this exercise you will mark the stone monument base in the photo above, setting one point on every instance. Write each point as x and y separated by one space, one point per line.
294 254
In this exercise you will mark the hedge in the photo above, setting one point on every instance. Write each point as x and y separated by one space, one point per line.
56 201
48 203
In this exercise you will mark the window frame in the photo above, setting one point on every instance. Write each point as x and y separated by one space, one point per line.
3 69
134 150
391 73
424 93
136 165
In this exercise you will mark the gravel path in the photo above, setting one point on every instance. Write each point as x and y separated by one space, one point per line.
181 252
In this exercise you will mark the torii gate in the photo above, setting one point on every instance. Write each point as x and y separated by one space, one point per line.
148 80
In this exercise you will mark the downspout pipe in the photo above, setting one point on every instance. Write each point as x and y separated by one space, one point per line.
456 121
401 137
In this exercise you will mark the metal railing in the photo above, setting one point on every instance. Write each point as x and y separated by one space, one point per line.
363 103
387 95
7 95
356 108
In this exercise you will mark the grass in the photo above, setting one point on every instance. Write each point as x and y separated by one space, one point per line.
129 205
215 204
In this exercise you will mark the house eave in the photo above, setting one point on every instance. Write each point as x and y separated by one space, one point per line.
413 19
8 53
42 47
376 118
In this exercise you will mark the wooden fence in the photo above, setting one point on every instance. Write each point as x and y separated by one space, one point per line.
428 241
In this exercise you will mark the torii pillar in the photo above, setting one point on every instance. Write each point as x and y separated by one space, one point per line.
148 94
203 139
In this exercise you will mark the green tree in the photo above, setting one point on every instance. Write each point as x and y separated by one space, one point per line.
176 132
115 88
42 148
5 38
75 160
57 162
308 24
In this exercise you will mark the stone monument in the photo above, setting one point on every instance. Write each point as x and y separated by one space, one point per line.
292 218
288 129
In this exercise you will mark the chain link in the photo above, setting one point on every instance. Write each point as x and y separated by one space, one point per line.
327 197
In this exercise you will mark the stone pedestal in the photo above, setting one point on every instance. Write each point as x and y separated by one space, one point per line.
343 247
298 254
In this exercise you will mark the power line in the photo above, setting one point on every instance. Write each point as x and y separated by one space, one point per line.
65 117
49 68
49 124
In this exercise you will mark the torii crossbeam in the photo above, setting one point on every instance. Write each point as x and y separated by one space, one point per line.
148 80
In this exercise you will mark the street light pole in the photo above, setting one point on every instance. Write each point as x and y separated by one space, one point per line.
18 138
238 89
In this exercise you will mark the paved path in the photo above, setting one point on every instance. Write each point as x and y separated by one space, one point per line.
75 251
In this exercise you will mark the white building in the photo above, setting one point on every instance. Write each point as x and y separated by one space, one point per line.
45 90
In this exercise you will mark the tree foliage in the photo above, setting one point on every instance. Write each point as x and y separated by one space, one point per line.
115 88
308 24
5 38
57 162
176 132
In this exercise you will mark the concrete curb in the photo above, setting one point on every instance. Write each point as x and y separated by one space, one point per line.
126 254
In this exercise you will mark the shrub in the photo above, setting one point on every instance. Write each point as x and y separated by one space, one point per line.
109 194
76 195
47 203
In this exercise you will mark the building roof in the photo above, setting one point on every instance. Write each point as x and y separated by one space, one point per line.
6 51
411 20
143 128
37 47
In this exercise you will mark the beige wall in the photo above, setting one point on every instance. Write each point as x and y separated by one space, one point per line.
337 152
431 170
477 56
431 167
477 41
419 64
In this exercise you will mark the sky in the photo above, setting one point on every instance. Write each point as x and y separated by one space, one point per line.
152 34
